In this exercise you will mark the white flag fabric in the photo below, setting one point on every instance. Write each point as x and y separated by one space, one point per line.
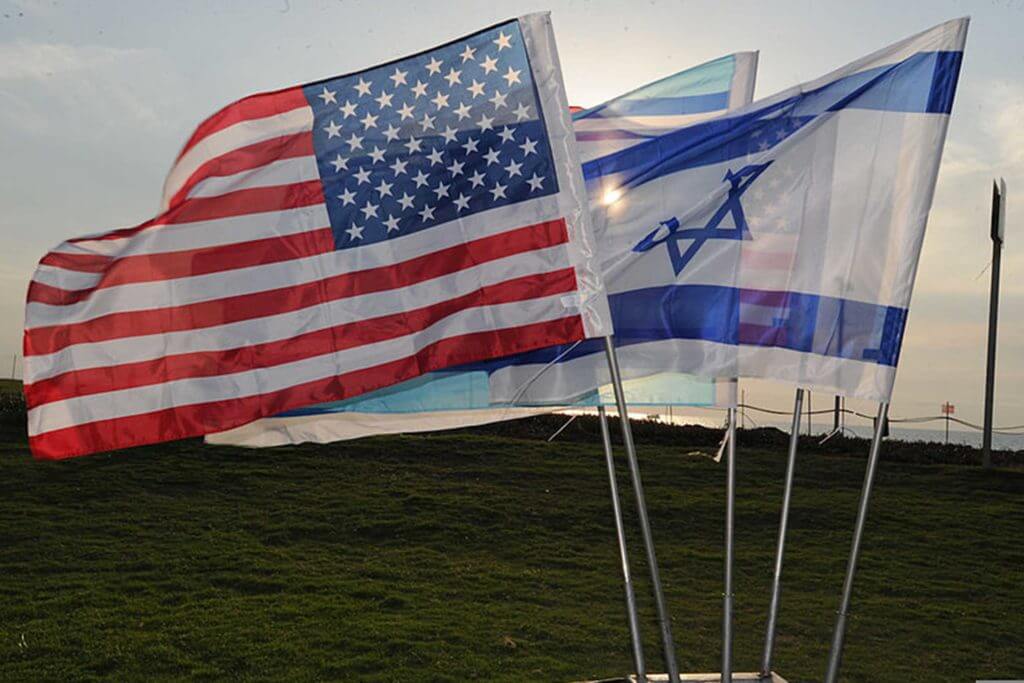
778 241
463 397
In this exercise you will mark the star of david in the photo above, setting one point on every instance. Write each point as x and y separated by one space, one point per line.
670 233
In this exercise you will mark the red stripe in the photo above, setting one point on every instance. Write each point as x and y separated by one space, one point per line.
237 203
316 343
252 107
44 340
247 158
203 418
177 264
252 200
86 263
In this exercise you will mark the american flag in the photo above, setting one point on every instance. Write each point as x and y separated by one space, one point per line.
323 241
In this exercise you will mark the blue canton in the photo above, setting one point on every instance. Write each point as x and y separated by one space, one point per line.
430 139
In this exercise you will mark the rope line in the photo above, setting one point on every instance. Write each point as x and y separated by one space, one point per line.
1014 430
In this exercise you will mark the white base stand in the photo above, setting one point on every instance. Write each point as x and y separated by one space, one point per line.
700 678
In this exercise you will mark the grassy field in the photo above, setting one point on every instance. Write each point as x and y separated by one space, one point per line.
475 557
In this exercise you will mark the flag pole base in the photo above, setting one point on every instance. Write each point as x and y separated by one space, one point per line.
699 678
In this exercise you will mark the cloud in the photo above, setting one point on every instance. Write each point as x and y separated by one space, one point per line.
31 60
1007 103
78 92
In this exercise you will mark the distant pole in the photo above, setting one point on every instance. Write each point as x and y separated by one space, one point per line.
835 416
743 408
947 410
997 234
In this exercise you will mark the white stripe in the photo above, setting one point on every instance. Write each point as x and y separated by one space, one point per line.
287 325
280 172
279 431
64 278
175 394
177 292
161 238
231 138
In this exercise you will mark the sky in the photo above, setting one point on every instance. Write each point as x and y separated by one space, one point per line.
96 99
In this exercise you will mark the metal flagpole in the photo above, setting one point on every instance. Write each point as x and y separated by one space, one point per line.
998 232
730 503
835 654
787 492
645 527
620 533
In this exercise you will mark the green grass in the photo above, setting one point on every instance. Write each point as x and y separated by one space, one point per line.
474 557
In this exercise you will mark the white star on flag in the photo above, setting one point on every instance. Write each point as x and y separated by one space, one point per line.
398 168
370 210
489 64
499 100
398 77
363 87
511 76
328 96
333 130
340 163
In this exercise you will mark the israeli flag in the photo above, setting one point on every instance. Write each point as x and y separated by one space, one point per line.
777 241
463 397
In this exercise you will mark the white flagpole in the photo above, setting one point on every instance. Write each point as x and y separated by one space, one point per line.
787 492
835 654
730 504
620 533
645 527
